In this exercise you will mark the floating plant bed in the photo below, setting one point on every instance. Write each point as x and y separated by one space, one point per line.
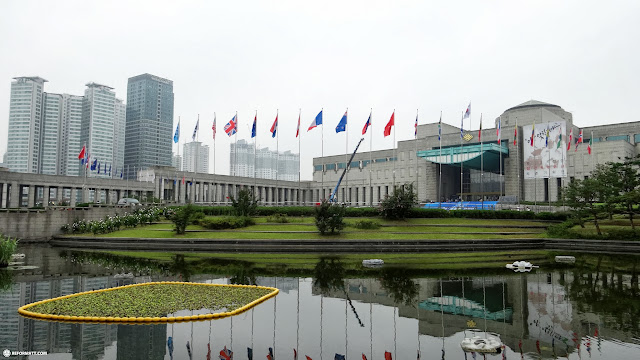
152 302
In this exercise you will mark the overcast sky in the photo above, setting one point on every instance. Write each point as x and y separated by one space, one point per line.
228 56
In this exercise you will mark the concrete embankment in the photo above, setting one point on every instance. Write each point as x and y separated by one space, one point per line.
345 246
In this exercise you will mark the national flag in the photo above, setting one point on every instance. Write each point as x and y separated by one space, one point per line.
270 355
387 356
295 354
480 130
182 179
415 132
195 131
499 130
533 129
589 145
98 168
226 354
440 128
274 127
82 154
213 127
316 122
596 333
208 351
468 112
298 128
578 140
253 128
342 125
189 349
249 353
366 125
538 347
387 128
515 134
339 357
109 169
364 357
176 135
418 355
308 357
546 137
94 164
170 345
559 141
231 127
570 139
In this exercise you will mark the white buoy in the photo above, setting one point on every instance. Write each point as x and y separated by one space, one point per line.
521 266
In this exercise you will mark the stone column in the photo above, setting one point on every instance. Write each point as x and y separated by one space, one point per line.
182 193
46 195
32 196
162 186
201 192
72 197
5 191
59 192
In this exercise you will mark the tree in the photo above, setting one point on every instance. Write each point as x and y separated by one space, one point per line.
627 184
329 217
183 217
398 205
246 203
582 196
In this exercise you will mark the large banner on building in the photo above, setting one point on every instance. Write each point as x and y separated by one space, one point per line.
547 156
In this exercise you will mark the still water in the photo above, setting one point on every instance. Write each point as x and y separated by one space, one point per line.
573 313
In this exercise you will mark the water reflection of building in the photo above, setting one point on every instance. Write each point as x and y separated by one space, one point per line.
141 341
284 284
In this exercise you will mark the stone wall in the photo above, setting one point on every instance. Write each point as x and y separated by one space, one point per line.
41 225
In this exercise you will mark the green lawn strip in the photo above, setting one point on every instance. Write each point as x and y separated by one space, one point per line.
409 229
421 221
359 235
410 260
153 300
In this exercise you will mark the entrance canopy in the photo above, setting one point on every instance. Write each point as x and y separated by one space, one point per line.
470 156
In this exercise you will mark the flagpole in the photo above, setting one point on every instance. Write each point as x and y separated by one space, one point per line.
416 155
500 142
235 156
461 159
549 169
300 202
347 198
370 160
255 147
517 143
394 150
591 142
277 160
214 143
482 166
322 157
440 180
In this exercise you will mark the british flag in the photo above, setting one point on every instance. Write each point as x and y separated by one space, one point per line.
231 127
226 354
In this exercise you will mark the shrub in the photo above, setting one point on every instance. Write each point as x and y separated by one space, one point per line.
183 217
197 217
329 217
227 222
278 218
398 205
245 204
8 246
367 224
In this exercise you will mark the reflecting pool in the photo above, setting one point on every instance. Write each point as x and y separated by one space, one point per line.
577 312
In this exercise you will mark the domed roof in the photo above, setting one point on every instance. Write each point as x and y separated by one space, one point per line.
532 104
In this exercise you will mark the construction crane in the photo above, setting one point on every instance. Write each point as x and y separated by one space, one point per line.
332 197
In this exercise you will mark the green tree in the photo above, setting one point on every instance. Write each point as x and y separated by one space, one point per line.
246 203
183 217
626 181
582 196
398 205
329 217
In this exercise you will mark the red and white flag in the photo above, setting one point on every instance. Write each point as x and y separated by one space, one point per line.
298 128
570 139
214 127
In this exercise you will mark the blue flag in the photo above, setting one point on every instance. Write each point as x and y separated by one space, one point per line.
98 168
109 169
195 131
339 357
317 121
342 125
94 164
120 173
250 353
176 136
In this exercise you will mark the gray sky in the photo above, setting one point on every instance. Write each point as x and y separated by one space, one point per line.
228 56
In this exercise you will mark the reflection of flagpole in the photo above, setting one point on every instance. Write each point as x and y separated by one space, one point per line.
517 144
500 143
549 167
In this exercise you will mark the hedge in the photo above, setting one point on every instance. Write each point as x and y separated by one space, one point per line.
374 212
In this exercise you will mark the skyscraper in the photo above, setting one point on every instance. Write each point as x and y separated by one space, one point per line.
119 135
25 124
51 135
149 122
98 124
195 157
268 164
70 145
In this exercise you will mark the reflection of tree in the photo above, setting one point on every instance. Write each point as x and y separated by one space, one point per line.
329 275
244 274
116 262
603 291
6 280
397 282
180 267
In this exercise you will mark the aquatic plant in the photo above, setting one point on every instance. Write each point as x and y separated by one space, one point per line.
8 247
